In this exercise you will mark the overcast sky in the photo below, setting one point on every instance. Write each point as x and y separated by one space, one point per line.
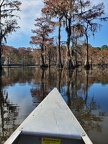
31 9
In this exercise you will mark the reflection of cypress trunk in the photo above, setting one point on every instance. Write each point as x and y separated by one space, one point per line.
69 76
68 94
2 114
74 91
86 95
76 82
42 83
1 106
59 72
73 95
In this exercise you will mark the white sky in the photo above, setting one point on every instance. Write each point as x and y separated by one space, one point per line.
30 10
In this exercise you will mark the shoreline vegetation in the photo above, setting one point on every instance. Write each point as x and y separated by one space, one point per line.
21 57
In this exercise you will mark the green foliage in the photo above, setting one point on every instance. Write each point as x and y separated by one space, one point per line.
104 47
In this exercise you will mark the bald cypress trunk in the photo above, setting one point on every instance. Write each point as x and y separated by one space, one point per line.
69 60
0 55
59 62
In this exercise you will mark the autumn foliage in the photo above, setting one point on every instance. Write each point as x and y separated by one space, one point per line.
28 56
78 19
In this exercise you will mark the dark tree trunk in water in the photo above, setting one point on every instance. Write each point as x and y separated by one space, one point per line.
87 65
69 60
43 65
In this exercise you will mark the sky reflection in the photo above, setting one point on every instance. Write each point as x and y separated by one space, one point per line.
100 94
20 95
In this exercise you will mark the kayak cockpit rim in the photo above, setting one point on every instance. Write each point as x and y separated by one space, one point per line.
15 139
54 135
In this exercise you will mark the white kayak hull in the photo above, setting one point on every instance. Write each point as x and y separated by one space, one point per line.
51 122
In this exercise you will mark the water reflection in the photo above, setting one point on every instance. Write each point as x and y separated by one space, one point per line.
8 115
86 93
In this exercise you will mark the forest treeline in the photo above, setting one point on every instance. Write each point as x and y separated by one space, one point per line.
78 19
98 56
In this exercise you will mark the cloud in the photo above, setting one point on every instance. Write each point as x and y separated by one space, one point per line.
30 10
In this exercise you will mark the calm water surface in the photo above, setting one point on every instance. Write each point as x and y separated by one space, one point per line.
85 92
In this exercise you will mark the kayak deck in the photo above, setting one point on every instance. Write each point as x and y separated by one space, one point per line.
51 122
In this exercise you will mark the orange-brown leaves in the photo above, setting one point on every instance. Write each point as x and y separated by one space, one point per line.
42 31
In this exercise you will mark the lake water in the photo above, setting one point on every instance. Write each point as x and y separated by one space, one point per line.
85 92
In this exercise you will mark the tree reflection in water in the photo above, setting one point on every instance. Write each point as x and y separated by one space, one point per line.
80 104
73 85
8 115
